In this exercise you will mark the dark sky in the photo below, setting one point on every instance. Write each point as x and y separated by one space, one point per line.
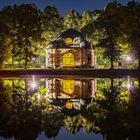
64 5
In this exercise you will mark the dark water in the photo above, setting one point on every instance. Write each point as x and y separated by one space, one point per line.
53 108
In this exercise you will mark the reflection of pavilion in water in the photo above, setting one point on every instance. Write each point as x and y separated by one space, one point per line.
70 88
74 94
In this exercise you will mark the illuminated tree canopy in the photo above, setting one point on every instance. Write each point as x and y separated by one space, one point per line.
24 36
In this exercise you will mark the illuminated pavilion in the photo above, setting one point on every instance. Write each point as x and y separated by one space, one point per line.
70 49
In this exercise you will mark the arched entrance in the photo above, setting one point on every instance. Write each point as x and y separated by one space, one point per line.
68 60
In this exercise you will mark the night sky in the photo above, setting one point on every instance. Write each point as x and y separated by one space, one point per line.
64 5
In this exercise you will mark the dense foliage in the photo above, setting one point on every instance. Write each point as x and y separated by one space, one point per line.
25 32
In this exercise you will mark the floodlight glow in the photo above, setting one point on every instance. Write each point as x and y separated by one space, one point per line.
128 83
33 58
128 86
128 58
33 85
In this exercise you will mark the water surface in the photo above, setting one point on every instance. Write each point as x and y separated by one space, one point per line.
54 108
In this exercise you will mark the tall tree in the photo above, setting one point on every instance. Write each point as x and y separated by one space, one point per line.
108 25
51 24
4 39
87 18
51 19
28 30
71 20
132 27
88 26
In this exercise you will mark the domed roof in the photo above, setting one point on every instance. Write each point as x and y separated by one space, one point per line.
71 33
70 38
81 104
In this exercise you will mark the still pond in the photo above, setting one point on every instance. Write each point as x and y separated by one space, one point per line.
33 108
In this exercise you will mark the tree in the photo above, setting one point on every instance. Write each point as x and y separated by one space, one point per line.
53 121
87 18
71 20
108 24
132 27
4 40
28 31
51 24
87 25
51 19
111 52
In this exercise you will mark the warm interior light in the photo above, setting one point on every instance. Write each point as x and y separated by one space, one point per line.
68 40
68 105
68 60
68 86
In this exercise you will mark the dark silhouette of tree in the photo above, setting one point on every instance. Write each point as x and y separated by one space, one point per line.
132 26
108 24
53 120
51 19
4 39
133 114
25 29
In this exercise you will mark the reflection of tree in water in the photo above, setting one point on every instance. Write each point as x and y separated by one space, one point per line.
112 116
52 121
113 124
133 115
5 110
116 117
24 124
73 124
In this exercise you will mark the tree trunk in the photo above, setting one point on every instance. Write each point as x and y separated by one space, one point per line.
26 95
12 61
25 64
112 66
112 83
13 85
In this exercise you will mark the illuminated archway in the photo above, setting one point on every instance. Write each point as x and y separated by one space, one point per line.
68 60
68 86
